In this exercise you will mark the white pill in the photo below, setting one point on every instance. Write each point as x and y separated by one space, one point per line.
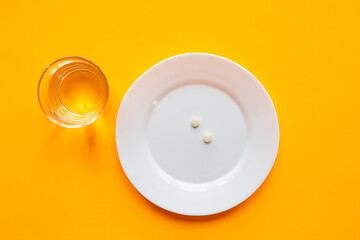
207 138
195 122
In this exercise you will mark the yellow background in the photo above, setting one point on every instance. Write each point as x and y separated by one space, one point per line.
58 183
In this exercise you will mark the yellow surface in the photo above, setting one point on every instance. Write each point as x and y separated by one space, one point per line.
58 183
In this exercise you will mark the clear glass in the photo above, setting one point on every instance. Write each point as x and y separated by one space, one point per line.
73 92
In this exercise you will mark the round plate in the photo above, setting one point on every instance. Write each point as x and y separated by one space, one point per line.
166 159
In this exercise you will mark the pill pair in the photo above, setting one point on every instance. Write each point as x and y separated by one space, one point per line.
207 137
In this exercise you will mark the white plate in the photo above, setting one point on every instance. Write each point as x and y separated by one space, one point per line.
165 158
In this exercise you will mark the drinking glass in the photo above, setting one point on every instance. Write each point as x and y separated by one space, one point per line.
73 92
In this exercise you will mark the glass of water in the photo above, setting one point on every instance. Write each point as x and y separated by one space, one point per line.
73 92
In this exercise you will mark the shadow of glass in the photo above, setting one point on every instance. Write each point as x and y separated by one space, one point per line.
80 144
